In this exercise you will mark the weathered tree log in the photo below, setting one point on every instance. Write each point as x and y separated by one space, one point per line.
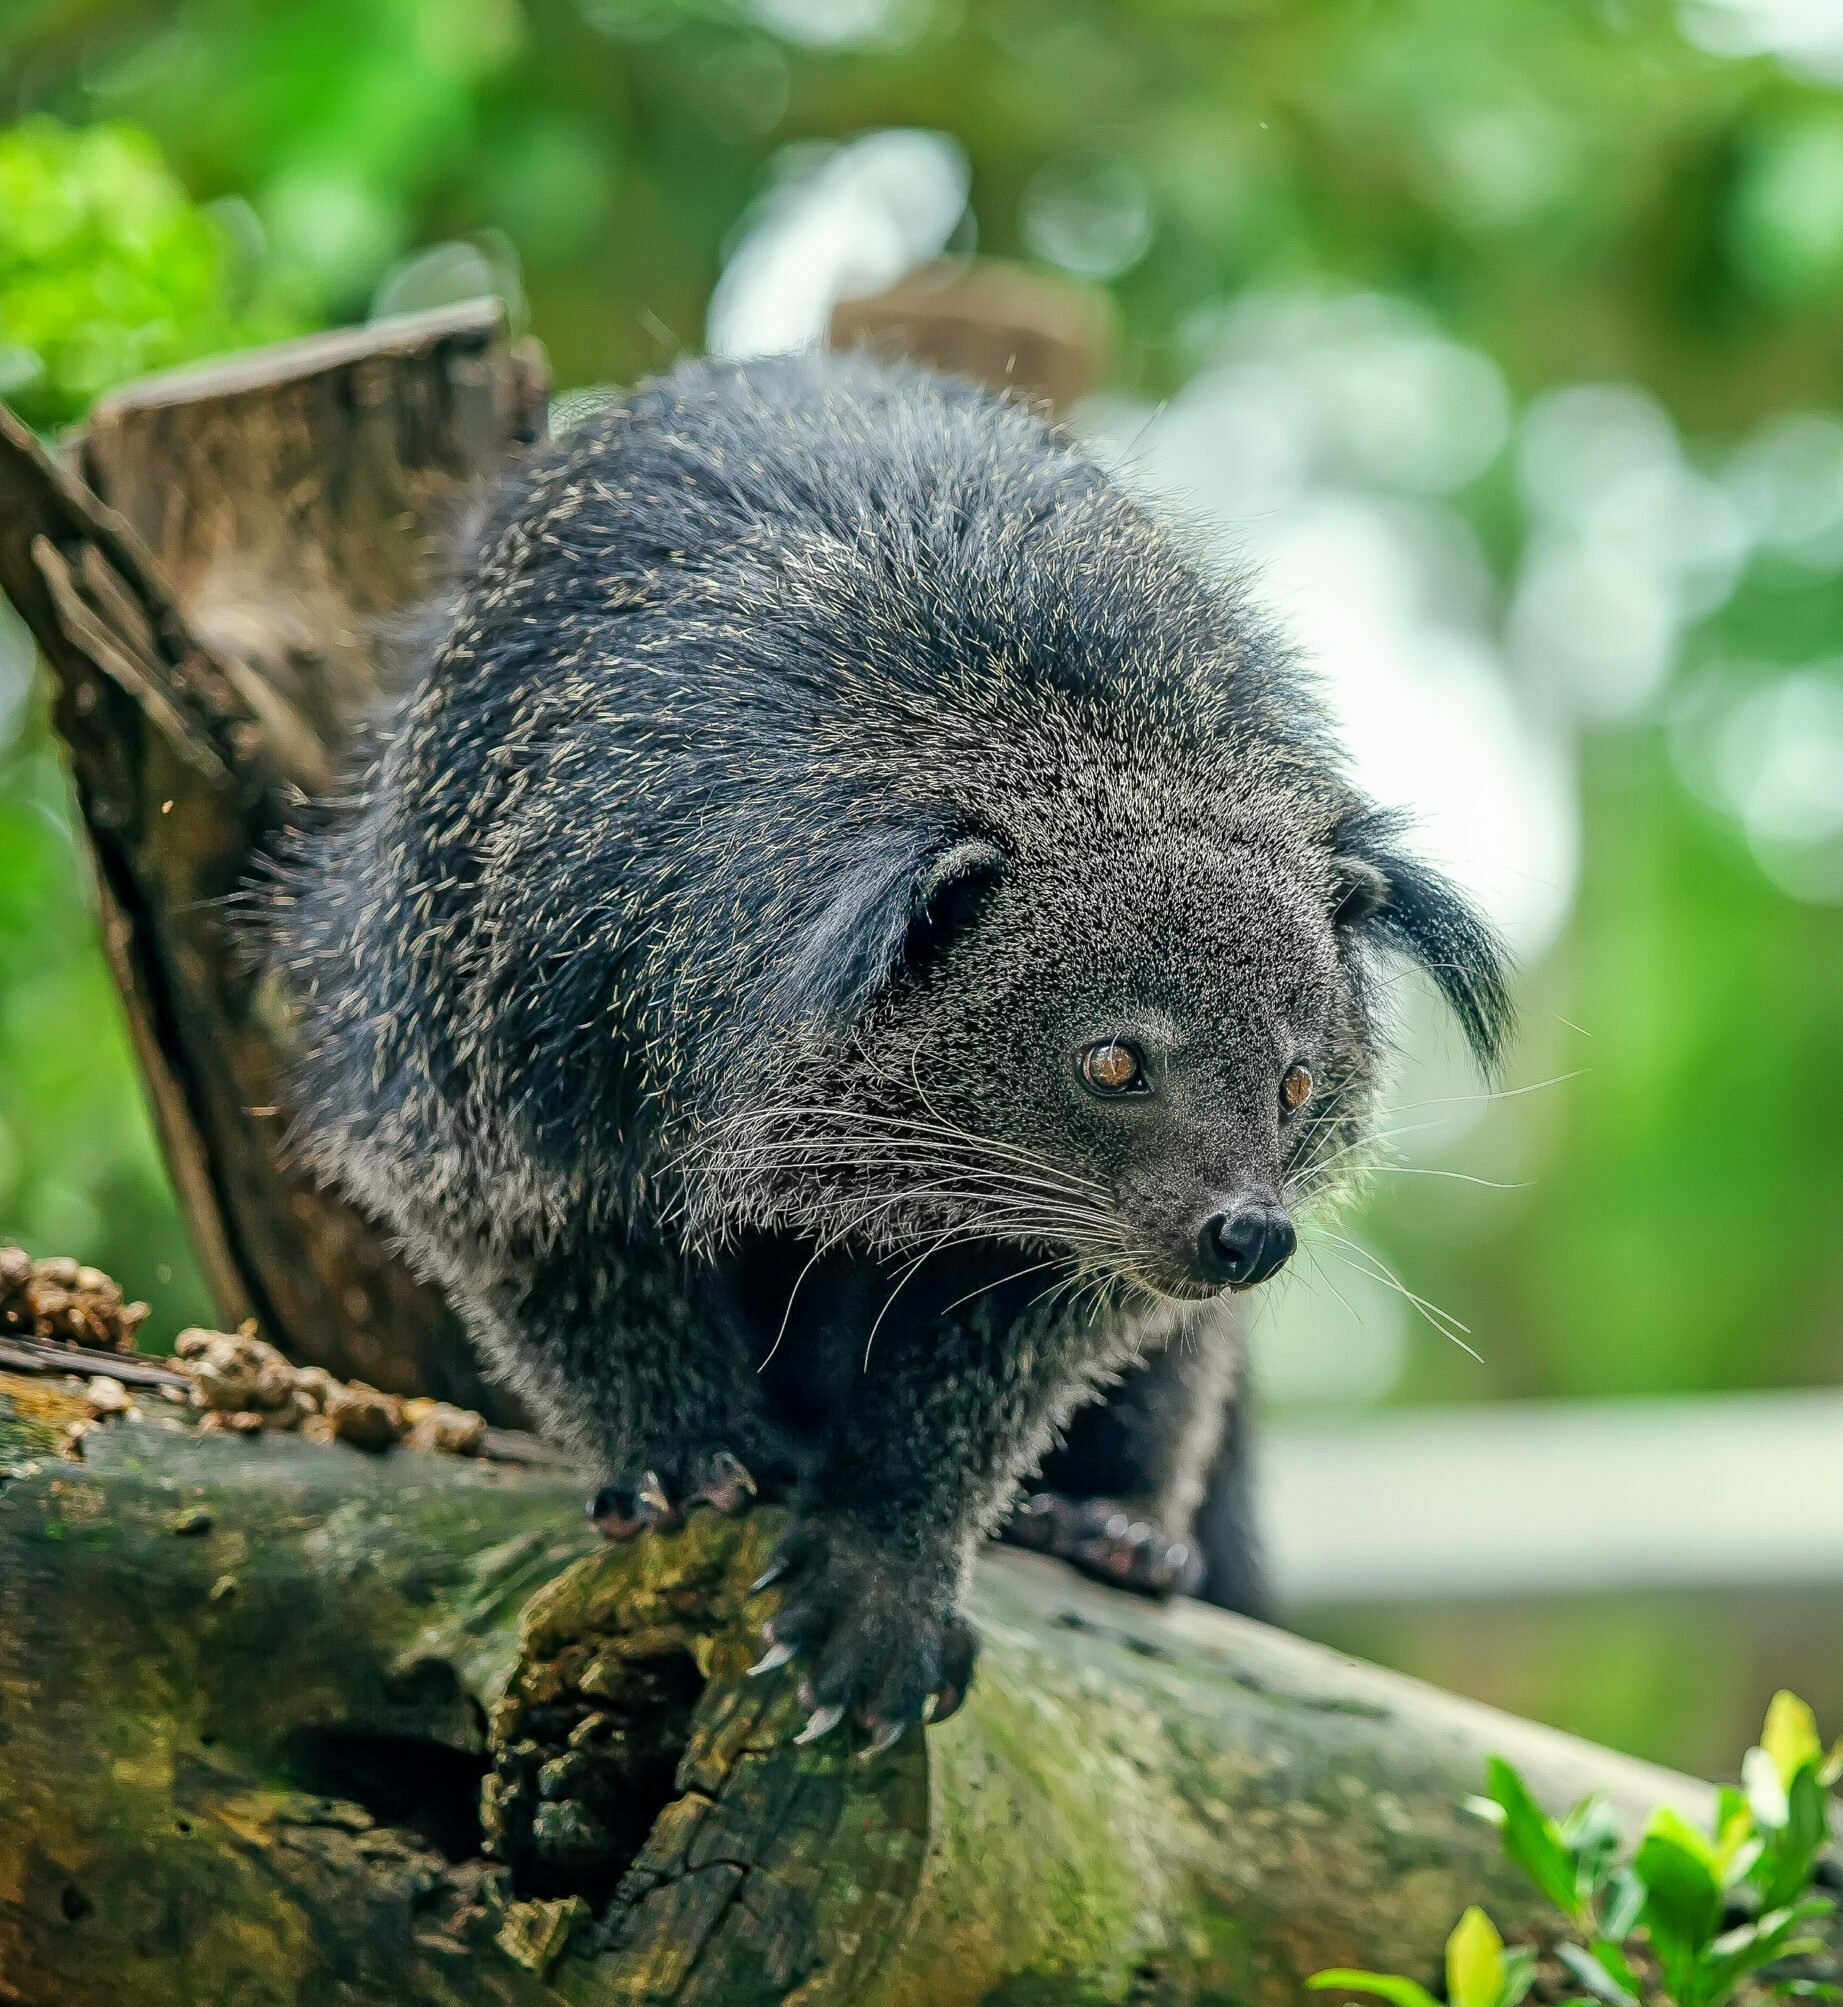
281 1722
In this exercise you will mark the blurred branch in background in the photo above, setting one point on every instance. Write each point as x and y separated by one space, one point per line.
1611 1497
1505 340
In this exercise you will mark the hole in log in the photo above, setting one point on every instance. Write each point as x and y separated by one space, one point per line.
410 1781
588 1761
75 1904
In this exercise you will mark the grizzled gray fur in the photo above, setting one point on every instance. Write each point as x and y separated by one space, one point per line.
849 946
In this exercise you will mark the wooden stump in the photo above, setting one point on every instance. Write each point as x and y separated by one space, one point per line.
214 597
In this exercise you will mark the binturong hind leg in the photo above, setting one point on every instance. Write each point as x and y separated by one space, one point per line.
1226 1529
1119 1498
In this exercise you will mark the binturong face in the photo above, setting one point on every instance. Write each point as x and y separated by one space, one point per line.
1142 1051
1184 1013
1157 1046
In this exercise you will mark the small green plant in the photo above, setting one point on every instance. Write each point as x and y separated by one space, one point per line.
1480 1972
1655 1930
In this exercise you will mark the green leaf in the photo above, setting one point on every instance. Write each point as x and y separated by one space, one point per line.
1765 1788
1790 1737
1387 1986
1617 1967
1519 1976
1682 1895
1531 1838
1474 1962
1752 1946
1591 1834
1807 1830
1670 1826
1603 1981
1624 1905
1785 1870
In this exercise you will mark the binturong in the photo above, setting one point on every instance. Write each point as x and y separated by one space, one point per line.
849 949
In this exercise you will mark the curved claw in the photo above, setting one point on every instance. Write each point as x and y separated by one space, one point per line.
1034 1523
1108 1541
886 1737
945 1704
771 1660
768 1577
725 1483
820 1722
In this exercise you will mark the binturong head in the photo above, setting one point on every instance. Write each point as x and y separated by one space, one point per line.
1128 1021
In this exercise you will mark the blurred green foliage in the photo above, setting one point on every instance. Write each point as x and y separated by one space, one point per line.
1583 191
108 269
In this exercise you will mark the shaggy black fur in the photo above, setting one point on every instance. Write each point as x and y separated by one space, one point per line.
820 759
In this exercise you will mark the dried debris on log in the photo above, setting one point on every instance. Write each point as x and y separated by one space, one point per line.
58 1317
64 1302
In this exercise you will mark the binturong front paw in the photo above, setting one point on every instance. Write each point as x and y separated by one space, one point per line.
654 1501
877 1637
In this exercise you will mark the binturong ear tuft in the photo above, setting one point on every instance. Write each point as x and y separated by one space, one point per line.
895 903
1384 894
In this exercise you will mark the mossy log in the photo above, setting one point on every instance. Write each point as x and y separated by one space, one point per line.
284 1722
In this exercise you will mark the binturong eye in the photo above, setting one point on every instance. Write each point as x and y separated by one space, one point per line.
1114 1067
1296 1088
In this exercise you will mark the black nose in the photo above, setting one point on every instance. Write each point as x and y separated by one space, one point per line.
1246 1244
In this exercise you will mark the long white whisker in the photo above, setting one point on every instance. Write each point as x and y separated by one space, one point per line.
1494 1093
787 1314
1318 1269
1443 1321
1016 1275
904 1125
1429 1171
902 1282
814 1162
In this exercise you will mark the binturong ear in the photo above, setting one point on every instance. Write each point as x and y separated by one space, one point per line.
947 897
1385 895
895 904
